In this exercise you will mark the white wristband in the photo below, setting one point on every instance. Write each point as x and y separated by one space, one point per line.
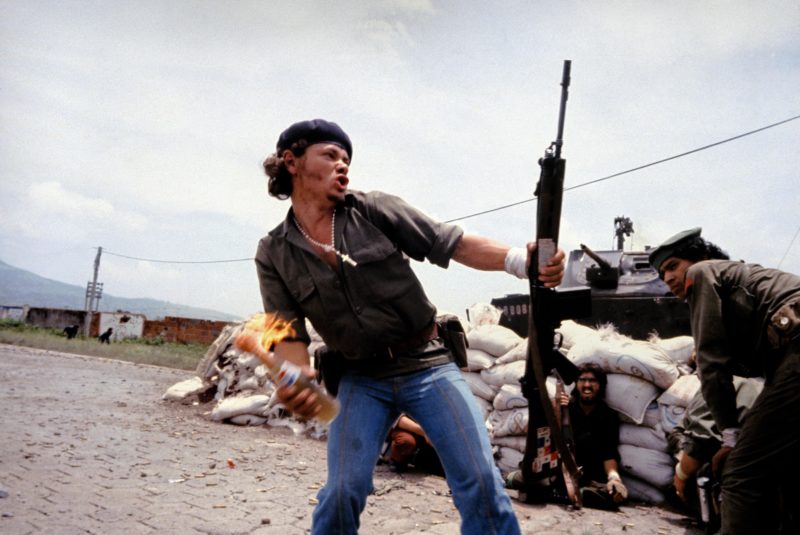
730 436
516 262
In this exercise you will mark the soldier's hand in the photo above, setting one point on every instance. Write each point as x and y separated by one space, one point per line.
563 399
300 401
617 490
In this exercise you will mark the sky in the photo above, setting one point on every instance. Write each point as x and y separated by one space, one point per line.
140 127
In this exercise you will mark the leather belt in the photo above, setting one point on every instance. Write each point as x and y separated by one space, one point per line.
408 345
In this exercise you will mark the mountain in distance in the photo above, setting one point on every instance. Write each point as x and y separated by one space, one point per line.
19 287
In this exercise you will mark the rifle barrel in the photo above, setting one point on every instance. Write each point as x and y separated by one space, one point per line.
565 79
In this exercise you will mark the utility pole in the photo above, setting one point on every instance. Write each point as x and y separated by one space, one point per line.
93 294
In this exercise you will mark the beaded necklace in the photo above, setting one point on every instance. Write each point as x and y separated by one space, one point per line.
324 246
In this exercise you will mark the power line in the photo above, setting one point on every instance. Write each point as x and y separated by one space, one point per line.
637 168
179 261
789 248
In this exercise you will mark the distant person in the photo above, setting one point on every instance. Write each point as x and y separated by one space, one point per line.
106 336
745 321
71 331
595 428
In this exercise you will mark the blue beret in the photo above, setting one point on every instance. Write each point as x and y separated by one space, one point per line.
668 248
315 131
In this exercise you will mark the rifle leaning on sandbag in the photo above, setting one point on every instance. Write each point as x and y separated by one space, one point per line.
544 478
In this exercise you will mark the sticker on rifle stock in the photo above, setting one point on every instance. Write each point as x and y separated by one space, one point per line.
545 456
545 249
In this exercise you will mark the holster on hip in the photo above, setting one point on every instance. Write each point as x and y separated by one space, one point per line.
455 339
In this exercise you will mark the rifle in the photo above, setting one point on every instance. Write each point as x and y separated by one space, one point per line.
542 478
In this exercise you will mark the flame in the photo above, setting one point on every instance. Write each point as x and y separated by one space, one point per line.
270 329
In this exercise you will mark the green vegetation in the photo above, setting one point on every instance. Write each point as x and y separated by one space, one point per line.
156 351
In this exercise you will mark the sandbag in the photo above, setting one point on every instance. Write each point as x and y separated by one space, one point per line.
516 442
248 419
518 352
483 314
654 467
478 360
510 422
615 353
504 374
643 437
642 491
572 332
479 387
630 395
509 397
652 417
494 339
184 389
681 392
671 416
679 348
235 405
508 460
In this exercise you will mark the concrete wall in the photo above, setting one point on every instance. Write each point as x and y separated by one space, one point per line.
124 325
54 318
184 330
12 313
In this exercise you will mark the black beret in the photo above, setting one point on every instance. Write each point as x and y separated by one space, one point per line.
315 131
668 248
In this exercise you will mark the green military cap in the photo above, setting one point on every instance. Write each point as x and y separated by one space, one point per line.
668 248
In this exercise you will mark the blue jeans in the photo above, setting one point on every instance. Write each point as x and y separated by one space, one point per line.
441 402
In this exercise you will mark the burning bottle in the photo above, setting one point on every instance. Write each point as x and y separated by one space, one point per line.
262 332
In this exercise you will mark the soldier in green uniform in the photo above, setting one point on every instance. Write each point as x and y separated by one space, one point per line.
745 320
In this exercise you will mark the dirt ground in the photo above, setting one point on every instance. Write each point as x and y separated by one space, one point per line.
89 447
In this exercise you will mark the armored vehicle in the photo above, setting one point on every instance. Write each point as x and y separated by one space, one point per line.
626 292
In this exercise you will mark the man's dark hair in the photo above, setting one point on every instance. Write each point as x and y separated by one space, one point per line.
599 374
280 180
697 249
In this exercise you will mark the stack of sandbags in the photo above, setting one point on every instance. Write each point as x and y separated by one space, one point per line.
238 384
639 372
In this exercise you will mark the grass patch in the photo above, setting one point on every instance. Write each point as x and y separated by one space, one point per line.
141 351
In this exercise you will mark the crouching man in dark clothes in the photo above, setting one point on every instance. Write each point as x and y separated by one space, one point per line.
595 428
105 338
341 259
745 321
696 439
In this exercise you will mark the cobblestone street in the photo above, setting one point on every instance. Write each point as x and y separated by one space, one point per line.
90 447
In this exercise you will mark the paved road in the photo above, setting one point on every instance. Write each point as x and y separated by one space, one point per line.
88 446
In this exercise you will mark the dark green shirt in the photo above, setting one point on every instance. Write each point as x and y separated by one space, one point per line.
730 304
357 310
